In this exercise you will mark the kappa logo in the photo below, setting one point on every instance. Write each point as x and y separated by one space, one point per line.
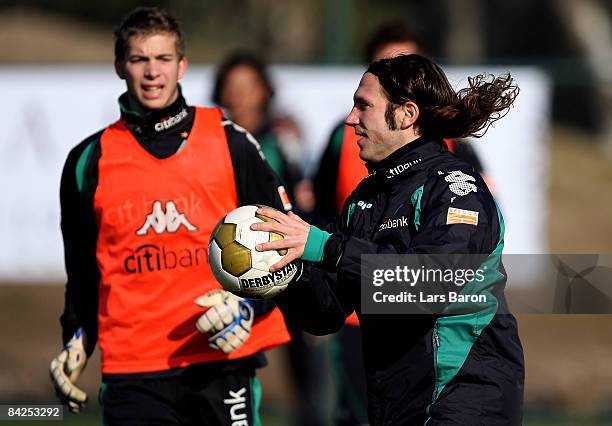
165 221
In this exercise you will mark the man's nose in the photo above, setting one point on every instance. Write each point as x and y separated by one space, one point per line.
152 69
352 119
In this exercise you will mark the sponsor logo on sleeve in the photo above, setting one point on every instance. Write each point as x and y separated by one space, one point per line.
284 198
460 183
467 217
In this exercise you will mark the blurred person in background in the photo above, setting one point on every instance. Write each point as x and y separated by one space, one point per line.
456 363
339 172
139 200
243 88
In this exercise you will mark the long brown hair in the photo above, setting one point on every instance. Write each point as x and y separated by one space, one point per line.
443 113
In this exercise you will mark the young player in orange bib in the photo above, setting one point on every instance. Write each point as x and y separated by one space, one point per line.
139 202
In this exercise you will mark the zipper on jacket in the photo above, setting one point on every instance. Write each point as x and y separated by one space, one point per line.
435 342
436 337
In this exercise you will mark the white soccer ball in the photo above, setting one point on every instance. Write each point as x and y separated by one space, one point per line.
236 264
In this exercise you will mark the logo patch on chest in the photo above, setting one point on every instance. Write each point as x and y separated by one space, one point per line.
162 221
399 222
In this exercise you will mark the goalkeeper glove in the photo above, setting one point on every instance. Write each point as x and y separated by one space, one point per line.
227 320
66 368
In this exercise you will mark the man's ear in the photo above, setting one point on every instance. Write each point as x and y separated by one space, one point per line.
119 70
183 63
410 115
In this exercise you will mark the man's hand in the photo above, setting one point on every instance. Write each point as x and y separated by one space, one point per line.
228 320
293 229
66 368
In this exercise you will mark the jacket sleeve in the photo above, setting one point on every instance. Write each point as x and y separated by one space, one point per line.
256 183
334 289
315 302
79 232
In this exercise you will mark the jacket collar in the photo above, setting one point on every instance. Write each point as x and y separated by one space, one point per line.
407 158
143 120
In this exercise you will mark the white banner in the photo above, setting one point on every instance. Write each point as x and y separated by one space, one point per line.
49 109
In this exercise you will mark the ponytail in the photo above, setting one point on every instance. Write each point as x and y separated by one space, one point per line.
444 113
476 107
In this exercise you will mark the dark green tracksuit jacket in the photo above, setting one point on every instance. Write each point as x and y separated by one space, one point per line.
459 367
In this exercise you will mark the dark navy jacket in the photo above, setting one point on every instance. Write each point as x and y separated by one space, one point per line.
459 367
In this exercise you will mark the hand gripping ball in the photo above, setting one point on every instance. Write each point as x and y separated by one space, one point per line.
236 264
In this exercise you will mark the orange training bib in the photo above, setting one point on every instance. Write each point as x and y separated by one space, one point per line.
155 217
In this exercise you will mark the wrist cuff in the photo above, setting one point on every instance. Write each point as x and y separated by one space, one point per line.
313 252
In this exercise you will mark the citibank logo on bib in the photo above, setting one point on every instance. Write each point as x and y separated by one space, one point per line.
161 221
152 258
